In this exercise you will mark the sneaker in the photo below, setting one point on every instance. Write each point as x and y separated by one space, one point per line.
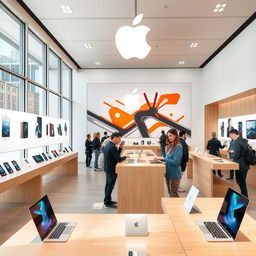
229 178
110 206
113 202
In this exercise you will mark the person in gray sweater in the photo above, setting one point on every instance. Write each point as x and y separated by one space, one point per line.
237 153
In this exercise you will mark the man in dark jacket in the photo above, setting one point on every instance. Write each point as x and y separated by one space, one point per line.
162 140
237 153
185 154
104 137
88 150
214 146
111 158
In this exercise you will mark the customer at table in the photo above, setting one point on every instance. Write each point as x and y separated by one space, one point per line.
162 140
214 146
237 153
111 158
173 162
88 150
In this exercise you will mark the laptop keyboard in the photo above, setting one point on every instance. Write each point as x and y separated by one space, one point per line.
58 230
215 230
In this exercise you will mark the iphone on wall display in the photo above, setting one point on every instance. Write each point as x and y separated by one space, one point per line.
5 127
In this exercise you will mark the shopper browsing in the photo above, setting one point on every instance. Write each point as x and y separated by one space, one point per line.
173 162
111 158
237 153
214 146
96 150
162 140
88 150
104 137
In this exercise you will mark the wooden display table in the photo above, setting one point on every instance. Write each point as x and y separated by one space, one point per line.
154 147
98 235
26 185
251 175
140 185
192 238
210 185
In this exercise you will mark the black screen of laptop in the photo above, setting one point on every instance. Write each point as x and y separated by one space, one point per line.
43 216
232 211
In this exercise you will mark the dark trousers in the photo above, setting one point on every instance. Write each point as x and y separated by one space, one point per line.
183 166
110 184
231 174
162 147
88 158
219 172
241 175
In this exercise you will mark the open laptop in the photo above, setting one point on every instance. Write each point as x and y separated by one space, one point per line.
136 224
230 217
190 200
46 223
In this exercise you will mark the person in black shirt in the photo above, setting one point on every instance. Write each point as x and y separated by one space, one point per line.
162 140
111 158
96 150
88 150
214 146
104 137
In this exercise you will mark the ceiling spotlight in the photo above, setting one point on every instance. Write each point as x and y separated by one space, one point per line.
219 7
193 45
66 9
87 46
97 63
182 62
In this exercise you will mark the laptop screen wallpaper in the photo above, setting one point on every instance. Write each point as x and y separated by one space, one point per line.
43 216
232 212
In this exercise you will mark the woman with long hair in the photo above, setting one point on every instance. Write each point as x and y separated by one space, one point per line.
173 162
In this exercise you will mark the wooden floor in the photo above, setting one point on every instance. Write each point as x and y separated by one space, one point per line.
81 194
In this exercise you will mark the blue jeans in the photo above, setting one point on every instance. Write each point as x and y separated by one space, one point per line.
110 184
97 154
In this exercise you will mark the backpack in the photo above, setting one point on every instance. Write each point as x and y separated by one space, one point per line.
250 155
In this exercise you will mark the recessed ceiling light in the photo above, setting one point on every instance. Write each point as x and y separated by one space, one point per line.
193 45
219 7
87 46
182 62
97 63
66 9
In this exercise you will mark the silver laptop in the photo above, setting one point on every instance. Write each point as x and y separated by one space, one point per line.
190 200
230 217
46 223
136 224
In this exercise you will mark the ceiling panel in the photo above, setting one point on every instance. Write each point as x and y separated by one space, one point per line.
174 25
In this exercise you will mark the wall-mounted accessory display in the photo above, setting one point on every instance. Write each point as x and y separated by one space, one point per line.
5 127
38 158
251 129
134 110
16 166
49 155
21 130
2 171
44 156
8 168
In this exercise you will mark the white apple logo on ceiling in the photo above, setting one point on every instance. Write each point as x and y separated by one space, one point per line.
131 41
131 101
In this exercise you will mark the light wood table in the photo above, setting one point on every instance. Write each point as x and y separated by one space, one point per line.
192 238
154 147
251 175
27 185
140 186
210 185
96 235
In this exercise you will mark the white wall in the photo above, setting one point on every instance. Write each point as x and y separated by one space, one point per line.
232 71
81 78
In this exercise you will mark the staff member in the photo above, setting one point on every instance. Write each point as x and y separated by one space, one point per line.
237 153
162 140
88 150
111 158
214 146
173 162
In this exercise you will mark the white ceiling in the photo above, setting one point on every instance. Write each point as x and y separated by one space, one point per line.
174 25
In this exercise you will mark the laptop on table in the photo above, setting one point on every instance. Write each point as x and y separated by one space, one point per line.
230 217
49 229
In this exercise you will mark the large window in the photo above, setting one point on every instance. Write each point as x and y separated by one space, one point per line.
66 114
11 92
54 72
54 105
66 81
36 59
11 42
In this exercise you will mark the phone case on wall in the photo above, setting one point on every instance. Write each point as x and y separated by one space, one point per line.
51 130
39 127
5 127
24 130
240 128
251 129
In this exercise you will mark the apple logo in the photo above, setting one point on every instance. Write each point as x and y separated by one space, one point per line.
131 101
131 41
136 224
